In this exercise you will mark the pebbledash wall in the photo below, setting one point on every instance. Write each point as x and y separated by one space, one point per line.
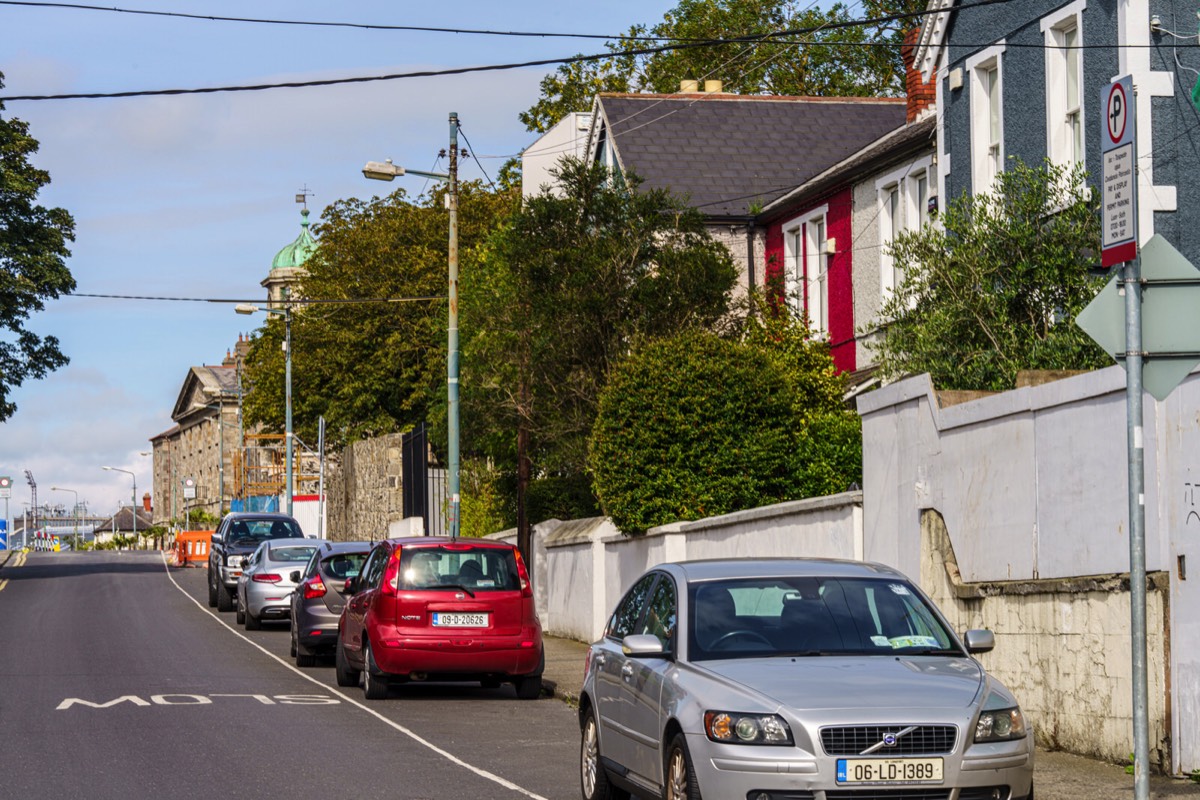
1013 511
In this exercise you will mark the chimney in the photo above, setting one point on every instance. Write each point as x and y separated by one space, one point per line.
712 87
146 503
921 95
689 87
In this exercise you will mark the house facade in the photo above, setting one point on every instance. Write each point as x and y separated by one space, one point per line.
730 156
1024 80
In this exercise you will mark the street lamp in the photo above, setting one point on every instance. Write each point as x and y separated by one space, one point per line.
286 313
134 507
386 171
74 512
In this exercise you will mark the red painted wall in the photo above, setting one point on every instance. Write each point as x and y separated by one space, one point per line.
841 274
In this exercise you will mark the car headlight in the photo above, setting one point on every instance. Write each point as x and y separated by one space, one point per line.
1000 725
733 728
234 561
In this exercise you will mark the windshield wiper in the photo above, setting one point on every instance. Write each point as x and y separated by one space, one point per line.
452 586
933 651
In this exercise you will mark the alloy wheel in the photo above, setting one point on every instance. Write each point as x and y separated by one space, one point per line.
589 761
677 776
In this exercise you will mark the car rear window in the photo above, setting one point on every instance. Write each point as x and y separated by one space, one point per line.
809 616
292 553
459 566
343 565
259 530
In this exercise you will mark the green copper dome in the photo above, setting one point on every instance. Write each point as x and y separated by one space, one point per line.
296 253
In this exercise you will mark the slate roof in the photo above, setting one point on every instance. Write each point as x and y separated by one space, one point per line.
123 521
725 153
891 146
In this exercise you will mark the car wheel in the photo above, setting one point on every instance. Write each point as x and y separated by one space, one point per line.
346 674
593 780
681 778
241 614
529 687
212 589
375 682
292 649
253 623
224 598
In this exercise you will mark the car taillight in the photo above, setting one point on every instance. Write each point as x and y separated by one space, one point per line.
314 587
391 576
523 574
266 577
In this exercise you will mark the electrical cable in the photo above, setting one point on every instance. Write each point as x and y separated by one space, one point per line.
489 67
258 300
471 150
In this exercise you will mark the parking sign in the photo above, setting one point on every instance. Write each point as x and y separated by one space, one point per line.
1118 146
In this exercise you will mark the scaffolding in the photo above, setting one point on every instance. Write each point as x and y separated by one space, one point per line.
260 468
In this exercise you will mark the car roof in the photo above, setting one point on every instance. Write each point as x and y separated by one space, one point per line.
331 548
259 515
433 541
719 568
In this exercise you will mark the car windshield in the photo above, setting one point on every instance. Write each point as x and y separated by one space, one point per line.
293 553
810 616
258 530
487 569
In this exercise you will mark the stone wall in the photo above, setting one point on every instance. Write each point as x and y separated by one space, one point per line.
364 490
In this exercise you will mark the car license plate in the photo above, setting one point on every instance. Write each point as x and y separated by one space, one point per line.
889 770
459 620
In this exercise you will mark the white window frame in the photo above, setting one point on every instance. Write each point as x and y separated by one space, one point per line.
905 182
987 157
807 270
1059 144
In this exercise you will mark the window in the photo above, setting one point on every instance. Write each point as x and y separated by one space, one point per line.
626 616
660 614
806 257
904 197
987 117
1064 76
476 569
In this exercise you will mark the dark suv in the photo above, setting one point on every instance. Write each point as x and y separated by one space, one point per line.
239 535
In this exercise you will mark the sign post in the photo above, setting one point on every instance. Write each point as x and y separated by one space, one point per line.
1118 206
6 493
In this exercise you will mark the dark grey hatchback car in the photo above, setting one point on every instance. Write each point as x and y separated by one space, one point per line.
320 596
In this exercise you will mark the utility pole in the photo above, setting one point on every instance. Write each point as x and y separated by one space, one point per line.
452 343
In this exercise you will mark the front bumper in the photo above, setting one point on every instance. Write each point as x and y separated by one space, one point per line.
788 772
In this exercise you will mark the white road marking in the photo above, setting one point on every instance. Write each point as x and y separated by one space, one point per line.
491 776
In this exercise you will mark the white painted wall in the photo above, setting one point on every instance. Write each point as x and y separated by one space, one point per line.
1032 484
568 137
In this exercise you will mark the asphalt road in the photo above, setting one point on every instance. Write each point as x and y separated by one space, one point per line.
118 681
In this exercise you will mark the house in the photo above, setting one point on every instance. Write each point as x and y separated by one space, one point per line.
1024 80
124 523
729 155
567 137
827 239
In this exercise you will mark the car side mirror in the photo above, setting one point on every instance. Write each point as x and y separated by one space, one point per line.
351 586
980 641
245 561
642 645
295 576
217 538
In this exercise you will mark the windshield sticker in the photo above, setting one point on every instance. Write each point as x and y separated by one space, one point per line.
485 582
913 641
881 641
898 589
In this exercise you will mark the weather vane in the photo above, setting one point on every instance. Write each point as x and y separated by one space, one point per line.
303 195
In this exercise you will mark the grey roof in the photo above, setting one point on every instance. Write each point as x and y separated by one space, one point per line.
891 146
725 153
123 521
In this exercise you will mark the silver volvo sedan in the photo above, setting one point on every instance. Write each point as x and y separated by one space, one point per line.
794 679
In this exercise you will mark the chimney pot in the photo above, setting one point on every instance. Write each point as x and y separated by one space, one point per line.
689 87
712 87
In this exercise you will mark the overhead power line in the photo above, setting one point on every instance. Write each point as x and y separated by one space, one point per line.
497 67
310 301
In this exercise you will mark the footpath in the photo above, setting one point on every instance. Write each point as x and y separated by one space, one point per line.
1057 775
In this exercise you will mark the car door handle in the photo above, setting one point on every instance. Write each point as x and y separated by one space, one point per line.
600 660
627 671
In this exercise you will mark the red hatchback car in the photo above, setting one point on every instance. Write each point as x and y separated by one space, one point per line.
434 608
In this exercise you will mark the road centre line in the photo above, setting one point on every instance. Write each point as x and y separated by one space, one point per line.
406 731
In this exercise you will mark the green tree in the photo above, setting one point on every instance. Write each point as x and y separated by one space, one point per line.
832 61
33 252
995 288
696 425
370 367
559 295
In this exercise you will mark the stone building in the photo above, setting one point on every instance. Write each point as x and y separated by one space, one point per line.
287 273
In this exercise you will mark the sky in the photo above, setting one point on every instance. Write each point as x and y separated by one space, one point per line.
193 195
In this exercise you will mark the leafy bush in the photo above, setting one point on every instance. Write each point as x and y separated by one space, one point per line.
695 426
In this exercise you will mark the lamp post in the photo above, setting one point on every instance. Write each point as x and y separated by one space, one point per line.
133 509
286 313
74 512
387 171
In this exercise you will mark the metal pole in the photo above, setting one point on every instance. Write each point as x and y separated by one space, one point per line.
321 478
1137 526
452 332
287 349
134 510
221 458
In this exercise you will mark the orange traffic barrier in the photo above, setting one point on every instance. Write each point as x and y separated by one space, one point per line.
191 547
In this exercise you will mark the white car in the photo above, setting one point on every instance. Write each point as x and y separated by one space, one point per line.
264 589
